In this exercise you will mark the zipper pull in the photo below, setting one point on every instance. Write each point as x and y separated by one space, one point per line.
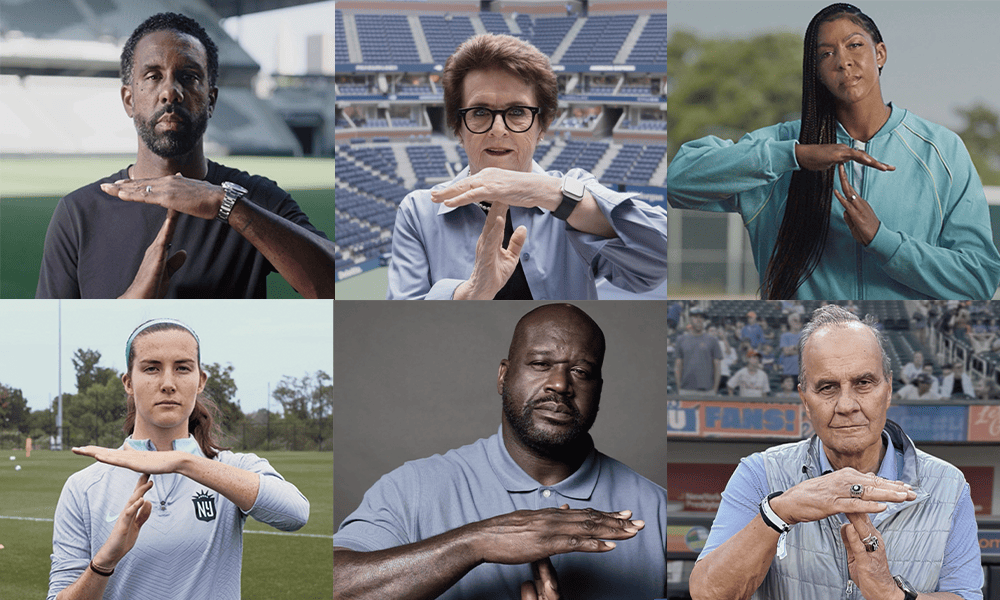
850 587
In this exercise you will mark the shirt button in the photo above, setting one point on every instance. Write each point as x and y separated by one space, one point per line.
546 493
526 256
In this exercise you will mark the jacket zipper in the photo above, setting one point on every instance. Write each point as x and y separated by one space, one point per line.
859 249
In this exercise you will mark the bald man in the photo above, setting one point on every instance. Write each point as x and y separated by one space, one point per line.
506 516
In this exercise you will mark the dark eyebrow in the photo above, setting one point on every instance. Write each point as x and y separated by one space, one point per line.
843 40
189 65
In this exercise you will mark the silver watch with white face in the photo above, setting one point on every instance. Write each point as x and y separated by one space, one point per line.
233 193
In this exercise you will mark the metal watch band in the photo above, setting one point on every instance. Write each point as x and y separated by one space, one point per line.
770 517
233 193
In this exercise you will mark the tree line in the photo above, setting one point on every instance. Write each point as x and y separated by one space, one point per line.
95 414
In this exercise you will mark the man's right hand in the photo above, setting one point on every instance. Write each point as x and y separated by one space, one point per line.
154 274
526 536
494 263
820 497
544 584
819 157
127 527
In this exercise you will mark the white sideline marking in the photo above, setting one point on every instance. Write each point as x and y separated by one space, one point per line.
310 535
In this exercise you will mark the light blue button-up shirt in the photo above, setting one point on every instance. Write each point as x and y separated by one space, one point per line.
427 497
434 246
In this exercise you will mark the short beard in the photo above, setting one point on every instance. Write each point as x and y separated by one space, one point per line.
171 144
545 443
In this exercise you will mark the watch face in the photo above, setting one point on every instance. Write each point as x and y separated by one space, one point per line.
573 188
232 186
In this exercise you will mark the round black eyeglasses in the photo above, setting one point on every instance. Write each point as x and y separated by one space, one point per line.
517 119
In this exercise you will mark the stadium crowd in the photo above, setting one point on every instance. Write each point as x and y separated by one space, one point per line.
940 350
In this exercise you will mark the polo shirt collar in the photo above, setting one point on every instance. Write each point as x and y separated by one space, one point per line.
442 209
188 444
578 486
888 468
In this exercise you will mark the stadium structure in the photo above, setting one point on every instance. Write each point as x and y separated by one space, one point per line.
391 133
59 82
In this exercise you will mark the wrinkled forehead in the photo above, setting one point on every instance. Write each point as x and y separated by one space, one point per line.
842 348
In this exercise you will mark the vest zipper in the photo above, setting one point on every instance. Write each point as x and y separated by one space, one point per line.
850 588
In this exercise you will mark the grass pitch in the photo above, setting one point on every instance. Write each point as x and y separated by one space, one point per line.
274 566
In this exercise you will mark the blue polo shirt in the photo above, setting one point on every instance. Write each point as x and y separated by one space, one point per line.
424 498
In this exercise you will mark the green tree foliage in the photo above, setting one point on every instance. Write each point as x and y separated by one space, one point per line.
727 87
308 401
982 137
13 409
221 388
96 415
88 372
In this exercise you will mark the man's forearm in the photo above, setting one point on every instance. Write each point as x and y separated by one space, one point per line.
418 571
737 567
304 259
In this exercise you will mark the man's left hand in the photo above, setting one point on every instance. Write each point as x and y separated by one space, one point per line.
153 463
858 214
190 196
869 570
513 188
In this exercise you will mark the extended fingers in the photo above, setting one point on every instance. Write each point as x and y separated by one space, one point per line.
866 159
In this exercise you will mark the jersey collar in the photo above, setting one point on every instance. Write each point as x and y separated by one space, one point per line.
188 444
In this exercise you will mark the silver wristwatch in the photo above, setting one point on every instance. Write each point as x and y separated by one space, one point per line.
233 193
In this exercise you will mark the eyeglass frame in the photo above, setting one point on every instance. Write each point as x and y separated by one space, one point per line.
534 110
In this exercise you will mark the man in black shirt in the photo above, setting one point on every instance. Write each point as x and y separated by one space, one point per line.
188 227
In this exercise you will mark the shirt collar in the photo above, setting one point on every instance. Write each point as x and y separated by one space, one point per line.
578 486
188 444
887 470
442 209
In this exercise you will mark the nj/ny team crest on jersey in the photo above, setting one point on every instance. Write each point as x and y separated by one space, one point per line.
204 506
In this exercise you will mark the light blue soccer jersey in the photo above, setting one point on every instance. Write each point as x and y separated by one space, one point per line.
192 545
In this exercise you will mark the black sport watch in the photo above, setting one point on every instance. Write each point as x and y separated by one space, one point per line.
908 592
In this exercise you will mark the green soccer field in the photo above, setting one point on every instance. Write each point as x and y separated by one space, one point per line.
283 566
30 188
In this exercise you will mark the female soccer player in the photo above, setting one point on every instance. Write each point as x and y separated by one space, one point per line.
911 219
179 534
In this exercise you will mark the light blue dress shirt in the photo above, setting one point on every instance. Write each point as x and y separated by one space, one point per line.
434 246
960 572
427 497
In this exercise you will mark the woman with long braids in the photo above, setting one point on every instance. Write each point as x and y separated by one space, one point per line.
910 219
180 532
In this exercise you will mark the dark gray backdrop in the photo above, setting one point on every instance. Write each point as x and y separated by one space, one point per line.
419 378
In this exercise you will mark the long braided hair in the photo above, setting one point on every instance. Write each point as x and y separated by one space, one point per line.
804 228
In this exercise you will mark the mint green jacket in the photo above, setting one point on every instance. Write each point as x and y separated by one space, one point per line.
934 240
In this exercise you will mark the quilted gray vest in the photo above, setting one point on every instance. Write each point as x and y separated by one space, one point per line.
915 532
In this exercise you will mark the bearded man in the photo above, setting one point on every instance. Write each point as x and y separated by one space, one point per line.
176 224
505 516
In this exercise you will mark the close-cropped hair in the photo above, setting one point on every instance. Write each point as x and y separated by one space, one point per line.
203 423
804 228
489 51
168 21
832 315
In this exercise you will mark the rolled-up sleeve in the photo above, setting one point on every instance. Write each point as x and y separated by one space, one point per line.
636 260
